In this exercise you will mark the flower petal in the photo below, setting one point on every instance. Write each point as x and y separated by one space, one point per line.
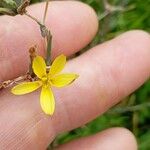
25 87
63 79
47 101
57 65
39 66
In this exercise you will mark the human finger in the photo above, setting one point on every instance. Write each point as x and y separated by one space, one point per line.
73 25
114 138
105 78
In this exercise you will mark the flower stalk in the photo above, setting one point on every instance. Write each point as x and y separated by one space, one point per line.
45 12
46 34
49 45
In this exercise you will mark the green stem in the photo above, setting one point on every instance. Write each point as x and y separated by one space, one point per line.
48 37
49 44
45 33
129 108
135 122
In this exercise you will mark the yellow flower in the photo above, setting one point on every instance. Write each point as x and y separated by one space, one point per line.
46 80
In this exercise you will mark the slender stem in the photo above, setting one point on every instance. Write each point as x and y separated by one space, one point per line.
33 18
49 44
130 108
48 37
9 83
135 122
44 30
103 15
45 12
45 33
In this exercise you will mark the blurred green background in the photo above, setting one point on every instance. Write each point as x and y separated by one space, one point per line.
116 17
134 111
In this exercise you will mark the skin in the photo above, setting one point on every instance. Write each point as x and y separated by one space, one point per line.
108 73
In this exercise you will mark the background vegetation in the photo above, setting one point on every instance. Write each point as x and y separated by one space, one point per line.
134 112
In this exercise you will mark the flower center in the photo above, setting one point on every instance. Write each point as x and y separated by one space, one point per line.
44 79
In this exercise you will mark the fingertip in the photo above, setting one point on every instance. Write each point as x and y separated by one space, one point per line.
135 38
114 138
124 136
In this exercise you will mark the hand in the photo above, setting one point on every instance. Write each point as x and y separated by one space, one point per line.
108 72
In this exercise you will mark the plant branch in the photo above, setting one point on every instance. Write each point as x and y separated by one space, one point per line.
111 8
49 44
33 18
45 12
130 108
45 33
9 83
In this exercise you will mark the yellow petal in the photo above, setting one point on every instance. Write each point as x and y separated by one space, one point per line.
47 101
39 66
58 65
63 79
25 87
